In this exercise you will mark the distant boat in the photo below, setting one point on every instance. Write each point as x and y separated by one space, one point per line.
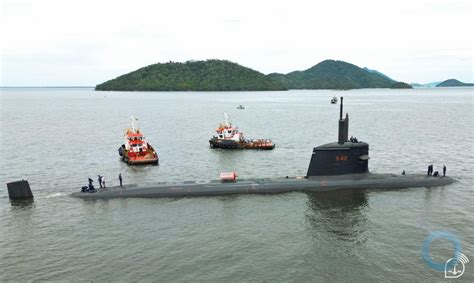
241 107
334 100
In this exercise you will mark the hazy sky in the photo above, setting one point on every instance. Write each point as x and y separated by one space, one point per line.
59 42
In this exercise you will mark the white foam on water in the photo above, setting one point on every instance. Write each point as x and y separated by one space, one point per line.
56 195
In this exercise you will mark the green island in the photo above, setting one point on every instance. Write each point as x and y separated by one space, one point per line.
209 75
453 83
223 75
331 74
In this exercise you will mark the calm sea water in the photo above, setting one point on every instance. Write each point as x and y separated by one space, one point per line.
56 138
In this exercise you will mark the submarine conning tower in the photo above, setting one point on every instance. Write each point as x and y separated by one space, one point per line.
342 157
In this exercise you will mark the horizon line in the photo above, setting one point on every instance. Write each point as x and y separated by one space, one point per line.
53 86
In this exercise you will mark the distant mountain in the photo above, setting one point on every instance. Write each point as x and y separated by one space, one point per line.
210 75
433 84
400 85
331 74
378 73
222 75
452 83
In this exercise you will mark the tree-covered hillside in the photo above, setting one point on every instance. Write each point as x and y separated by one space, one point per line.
453 82
331 74
378 73
210 75
221 75
400 85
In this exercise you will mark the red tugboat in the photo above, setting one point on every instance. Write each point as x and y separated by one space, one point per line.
136 150
229 137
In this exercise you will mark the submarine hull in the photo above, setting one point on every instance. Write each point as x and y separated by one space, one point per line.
269 186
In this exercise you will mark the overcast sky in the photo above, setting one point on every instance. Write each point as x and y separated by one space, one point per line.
59 42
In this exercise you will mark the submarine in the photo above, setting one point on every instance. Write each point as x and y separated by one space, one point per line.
334 166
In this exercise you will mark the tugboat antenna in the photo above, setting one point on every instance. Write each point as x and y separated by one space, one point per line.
133 122
226 119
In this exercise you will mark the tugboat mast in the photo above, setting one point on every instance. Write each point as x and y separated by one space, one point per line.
226 120
133 122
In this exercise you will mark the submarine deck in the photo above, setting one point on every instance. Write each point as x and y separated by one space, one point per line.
268 186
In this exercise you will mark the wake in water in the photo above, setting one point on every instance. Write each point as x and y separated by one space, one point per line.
56 195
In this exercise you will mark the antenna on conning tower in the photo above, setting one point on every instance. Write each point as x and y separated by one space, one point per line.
343 126
340 112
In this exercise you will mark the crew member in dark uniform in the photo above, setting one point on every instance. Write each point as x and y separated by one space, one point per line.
120 179
100 180
91 187
444 170
430 170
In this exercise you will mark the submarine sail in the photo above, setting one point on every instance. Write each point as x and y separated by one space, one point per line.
342 157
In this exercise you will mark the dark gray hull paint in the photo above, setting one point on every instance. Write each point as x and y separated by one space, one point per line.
269 186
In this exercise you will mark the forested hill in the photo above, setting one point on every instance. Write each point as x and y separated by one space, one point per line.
378 73
331 74
210 75
453 82
222 75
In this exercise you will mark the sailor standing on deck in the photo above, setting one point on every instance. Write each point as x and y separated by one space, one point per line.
444 170
90 187
120 179
103 181
430 170
99 178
